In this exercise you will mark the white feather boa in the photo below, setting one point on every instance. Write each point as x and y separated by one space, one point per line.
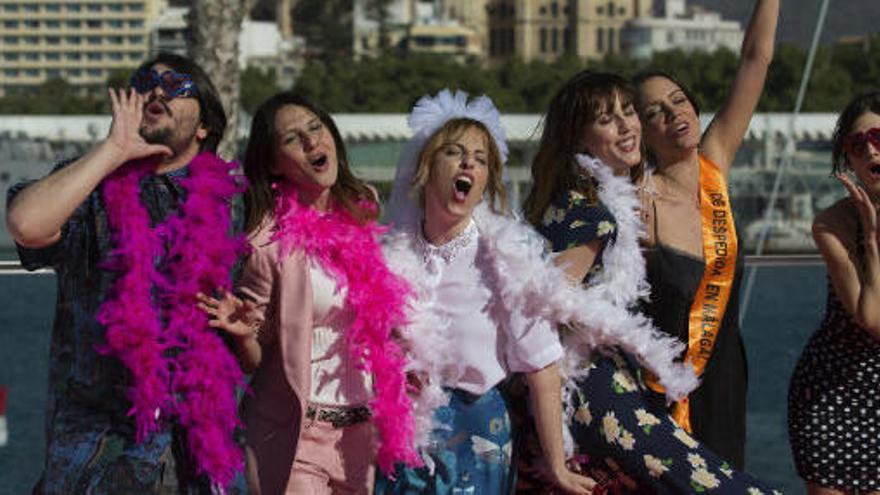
529 282
622 279
426 337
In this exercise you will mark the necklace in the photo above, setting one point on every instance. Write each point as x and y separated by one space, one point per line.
180 368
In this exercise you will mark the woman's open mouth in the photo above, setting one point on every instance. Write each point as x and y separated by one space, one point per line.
462 186
627 145
319 163
681 129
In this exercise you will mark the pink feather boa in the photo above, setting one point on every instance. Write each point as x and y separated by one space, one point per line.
198 379
351 253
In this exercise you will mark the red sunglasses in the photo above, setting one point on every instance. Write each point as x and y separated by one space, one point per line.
856 144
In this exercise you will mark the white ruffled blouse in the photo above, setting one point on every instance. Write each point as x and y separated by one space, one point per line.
490 342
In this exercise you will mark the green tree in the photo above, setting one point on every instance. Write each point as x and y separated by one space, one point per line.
120 78
862 63
329 29
393 82
377 10
53 97
783 79
256 86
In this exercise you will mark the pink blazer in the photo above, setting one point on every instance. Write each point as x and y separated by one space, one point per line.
274 410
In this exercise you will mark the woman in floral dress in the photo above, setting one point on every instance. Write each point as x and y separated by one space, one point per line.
586 208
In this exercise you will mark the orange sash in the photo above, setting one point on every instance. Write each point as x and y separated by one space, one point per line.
710 302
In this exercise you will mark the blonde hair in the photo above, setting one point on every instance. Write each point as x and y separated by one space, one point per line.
451 131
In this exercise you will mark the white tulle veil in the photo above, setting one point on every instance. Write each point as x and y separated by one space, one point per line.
428 115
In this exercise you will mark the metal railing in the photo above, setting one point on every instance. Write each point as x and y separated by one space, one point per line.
10 267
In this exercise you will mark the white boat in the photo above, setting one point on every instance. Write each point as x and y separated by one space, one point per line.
785 233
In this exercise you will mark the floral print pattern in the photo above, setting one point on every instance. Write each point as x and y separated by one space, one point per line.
471 451
571 220
626 442
644 443
832 415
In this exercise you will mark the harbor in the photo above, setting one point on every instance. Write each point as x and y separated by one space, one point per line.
31 145
786 304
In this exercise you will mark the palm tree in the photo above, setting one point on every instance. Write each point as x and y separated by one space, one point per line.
214 27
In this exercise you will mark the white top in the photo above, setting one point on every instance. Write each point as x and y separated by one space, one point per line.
491 343
336 381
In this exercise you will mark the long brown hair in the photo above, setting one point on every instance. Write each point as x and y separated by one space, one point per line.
259 200
451 131
576 105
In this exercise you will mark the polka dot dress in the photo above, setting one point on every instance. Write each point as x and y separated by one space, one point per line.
834 405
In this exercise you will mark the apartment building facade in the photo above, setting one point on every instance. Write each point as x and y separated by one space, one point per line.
678 26
545 30
81 41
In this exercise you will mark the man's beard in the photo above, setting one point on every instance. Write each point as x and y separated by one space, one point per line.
172 138
160 135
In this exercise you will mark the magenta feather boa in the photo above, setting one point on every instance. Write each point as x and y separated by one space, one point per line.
197 382
351 253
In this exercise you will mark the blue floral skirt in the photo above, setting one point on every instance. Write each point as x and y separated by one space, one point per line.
470 452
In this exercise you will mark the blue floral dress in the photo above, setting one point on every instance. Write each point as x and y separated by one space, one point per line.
471 451
621 439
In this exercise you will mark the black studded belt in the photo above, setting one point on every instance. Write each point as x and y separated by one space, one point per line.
338 416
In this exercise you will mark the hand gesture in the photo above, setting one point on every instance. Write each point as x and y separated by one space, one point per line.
124 136
230 313
862 201
573 483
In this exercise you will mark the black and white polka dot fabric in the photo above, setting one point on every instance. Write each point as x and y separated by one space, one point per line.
834 405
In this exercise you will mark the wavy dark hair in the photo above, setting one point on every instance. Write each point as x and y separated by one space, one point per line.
259 158
576 105
211 112
858 106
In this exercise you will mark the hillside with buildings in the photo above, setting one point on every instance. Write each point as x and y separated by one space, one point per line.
85 42
75 47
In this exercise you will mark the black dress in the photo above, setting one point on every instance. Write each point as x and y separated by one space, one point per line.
718 406
833 401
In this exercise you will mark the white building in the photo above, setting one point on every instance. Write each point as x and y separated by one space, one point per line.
79 41
414 25
261 44
679 27
168 31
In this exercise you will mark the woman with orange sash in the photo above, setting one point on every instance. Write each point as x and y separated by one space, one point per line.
693 261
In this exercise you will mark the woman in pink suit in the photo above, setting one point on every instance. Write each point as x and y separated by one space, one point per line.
315 315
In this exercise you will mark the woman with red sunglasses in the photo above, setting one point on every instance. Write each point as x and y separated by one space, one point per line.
833 421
